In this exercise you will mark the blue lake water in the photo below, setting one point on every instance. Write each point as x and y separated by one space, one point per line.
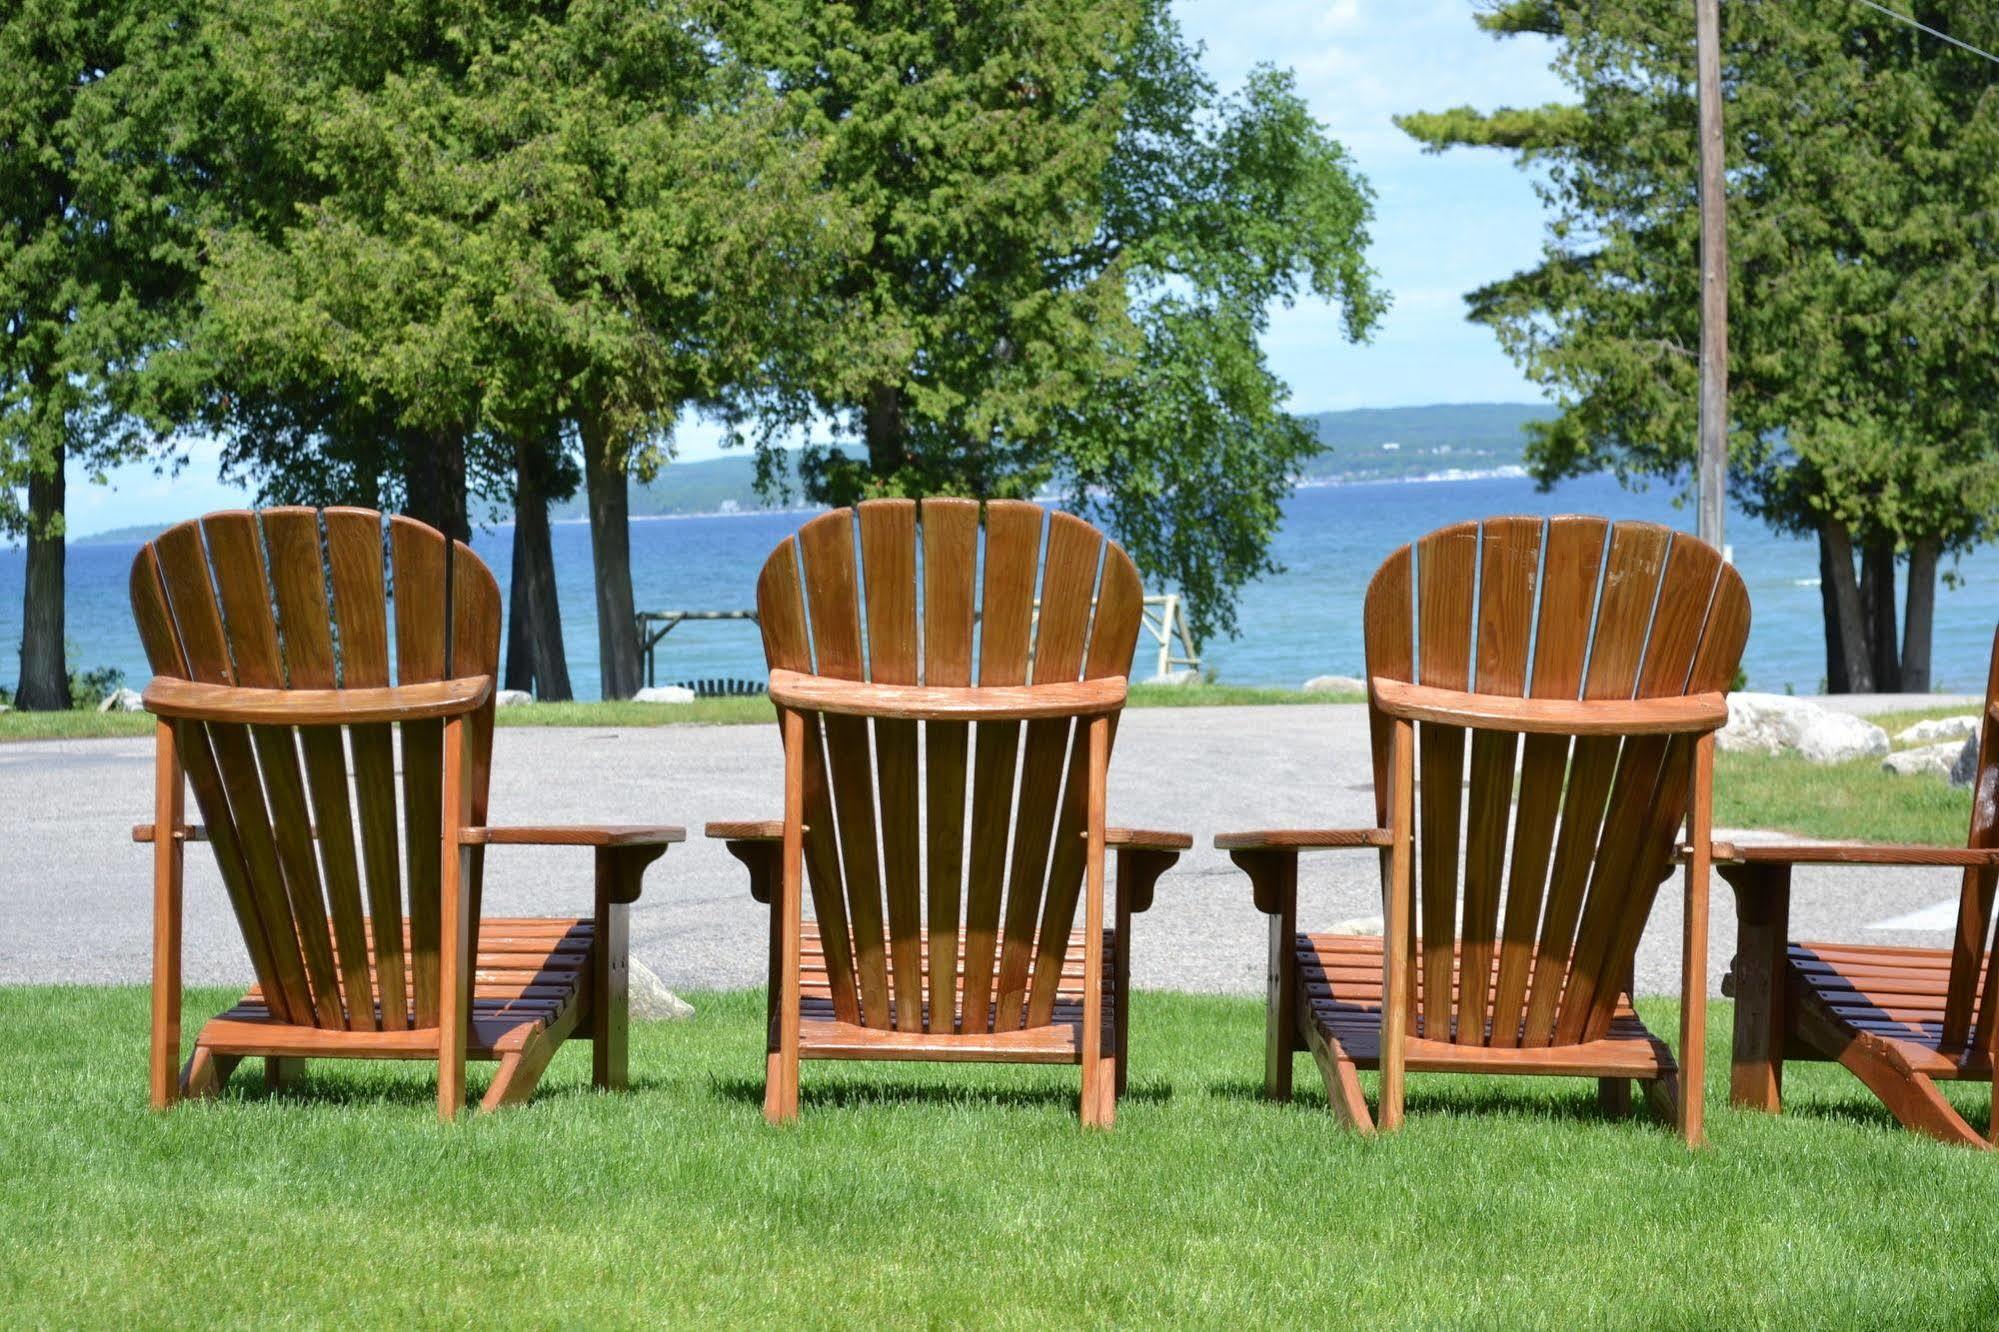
1302 622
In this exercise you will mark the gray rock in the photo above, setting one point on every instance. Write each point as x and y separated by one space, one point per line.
649 998
1336 684
1940 730
1183 676
1966 768
6 707
512 698
664 694
1928 761
1780 724
122 700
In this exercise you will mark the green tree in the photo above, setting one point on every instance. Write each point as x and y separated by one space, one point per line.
505 224
97 253
1070 243
1864 261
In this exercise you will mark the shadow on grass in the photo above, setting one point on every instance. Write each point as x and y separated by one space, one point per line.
336 1087
750 1091
1557 1104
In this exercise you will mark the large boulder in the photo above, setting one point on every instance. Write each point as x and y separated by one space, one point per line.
1186 675
122 700
512 698
1336 684
664 694
1941 729
1781 724
648 997
1924 761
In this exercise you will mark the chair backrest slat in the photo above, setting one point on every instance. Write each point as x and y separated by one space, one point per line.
1571 564
166 652
1006 627
1113 636
236 556
417 592
1069 565
888 564
950 603
360 605
1634 555
832 600
1531 943
1970 956
1446 567
296 598
962 920
298 582
1509 561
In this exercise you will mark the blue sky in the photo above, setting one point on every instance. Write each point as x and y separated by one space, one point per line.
1443 224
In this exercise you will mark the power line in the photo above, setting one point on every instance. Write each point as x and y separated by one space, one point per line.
1924 27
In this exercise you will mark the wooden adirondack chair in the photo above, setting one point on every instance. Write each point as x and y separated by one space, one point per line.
270 638
1606 646
944 946
1901 1019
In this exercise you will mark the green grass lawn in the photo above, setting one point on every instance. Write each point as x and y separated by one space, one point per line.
963 1195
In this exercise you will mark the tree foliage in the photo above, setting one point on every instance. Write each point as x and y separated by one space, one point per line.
1864 278
1071 242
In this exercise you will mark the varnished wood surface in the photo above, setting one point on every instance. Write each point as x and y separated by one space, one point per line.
166 697
939 740
346 858
1550 716
1537 690
607 834
895 702
1845 853
1304 839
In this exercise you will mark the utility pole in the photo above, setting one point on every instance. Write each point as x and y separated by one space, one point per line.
1713 468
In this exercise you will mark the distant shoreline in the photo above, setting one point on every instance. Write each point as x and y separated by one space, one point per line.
135 535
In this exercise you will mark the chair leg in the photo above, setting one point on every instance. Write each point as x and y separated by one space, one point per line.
1757 981
1613 1096
1343 1090
282 1073
610 1000
206 1073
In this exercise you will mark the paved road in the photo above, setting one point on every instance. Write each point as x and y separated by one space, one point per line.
74 890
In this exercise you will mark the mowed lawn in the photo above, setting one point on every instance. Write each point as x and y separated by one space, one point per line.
967 1195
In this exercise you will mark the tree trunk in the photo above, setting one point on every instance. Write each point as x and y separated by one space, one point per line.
1877 603
886 431
434 482
606 482
44 683
536 661
1920 609
1848 668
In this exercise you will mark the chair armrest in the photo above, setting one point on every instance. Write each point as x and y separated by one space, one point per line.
1837 853
1305 839
611 834
746 830
758 843
1146 839
189 832
193 701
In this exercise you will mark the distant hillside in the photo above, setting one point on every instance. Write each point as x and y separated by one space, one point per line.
1382 444
714 485
1373 444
